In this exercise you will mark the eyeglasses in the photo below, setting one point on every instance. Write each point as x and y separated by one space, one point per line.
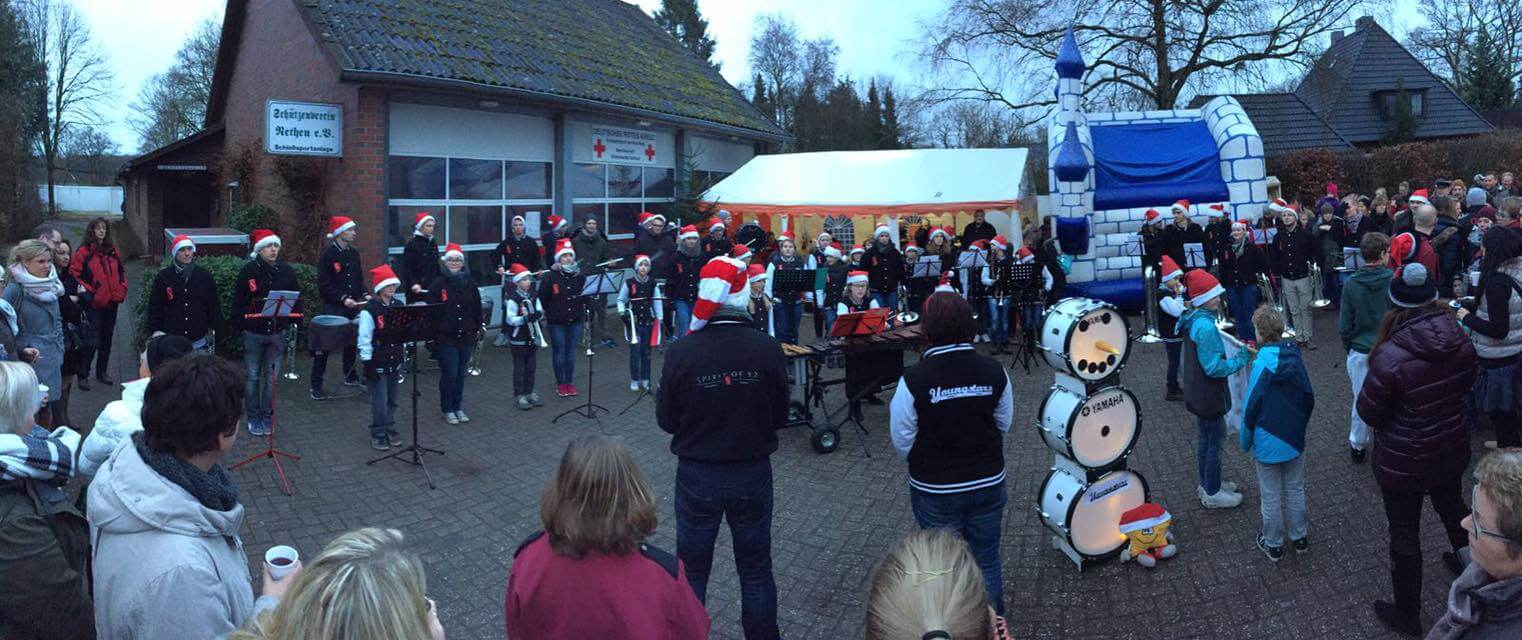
455 260
1479 530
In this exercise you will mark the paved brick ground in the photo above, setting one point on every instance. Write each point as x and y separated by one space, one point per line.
837 514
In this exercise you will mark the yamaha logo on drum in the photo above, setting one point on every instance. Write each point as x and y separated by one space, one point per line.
1107 403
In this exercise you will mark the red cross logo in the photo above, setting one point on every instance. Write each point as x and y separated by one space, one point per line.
649 153
599 148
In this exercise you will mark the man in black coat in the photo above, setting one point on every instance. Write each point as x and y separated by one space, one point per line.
184 300
263 342
518 248
978 229
1183 231
420 258
341 285
723 395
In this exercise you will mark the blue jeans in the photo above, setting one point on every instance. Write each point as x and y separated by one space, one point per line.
261 360
1208 452
639 354
1243 301
564 338
786 317
683 319
707 494
978 516
998 318
886 300
384 391
1030 317
454 358
1173 349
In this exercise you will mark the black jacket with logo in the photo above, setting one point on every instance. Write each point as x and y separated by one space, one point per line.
339 276
184 304
682 272
560 295
460 317
420 263
524 251
956 395
723 392
884 267
1293 252
255 280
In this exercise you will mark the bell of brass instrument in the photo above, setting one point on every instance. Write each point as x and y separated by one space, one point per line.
1271 298
536 332
1319 299
290 353
474 367
1150 284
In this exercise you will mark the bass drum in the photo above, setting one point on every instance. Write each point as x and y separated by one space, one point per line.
1095 431
1087 515
1085 338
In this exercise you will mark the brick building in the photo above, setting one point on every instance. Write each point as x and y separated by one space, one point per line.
473 110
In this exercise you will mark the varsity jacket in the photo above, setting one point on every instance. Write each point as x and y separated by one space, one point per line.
340 275
638 295
524 251
778 262
420 263
184 303
846 306
719 246
723 392
560 296
519 309
255 280
460 317
378 357
658 247
682 275
1293 251
1203 365
948 419
834 284
884 266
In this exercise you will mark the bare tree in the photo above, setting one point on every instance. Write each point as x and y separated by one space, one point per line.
1151 53
1450 28
78 79
88 150
774 54
172 104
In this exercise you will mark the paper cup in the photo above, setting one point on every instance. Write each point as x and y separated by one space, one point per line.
1474 278
281 560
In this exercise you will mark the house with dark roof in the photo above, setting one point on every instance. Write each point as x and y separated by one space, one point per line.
476 111
1348 99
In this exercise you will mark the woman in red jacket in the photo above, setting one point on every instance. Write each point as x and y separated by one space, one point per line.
1414 399
589 574
98 266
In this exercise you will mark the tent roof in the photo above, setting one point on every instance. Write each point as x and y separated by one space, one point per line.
874 182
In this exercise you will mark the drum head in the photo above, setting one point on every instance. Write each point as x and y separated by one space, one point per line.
331 321
1099 342
1094 527
1105 428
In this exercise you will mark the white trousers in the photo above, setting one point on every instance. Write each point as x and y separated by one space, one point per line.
1358 431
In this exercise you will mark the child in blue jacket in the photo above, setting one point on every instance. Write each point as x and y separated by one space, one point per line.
1279 404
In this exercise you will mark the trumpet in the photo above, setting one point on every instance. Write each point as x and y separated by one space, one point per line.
1149 282
1319 300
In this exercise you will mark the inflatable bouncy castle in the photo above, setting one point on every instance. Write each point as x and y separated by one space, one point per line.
1107 169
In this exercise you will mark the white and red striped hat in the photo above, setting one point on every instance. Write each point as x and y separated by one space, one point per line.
641 258
519 272
452 249
715 223
563 247
264 238
1201 287
855 277
182 241
755 273
740 252
721 283
382 277
689 231
339 224
645 217
1170 270
421 218
1153 217
1418 197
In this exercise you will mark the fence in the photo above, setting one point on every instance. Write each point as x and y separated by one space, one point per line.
80 198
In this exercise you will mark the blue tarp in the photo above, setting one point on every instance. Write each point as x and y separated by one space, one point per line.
1144 165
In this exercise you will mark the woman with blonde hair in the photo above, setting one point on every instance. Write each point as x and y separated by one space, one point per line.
34 290
365 585
930 587
589 574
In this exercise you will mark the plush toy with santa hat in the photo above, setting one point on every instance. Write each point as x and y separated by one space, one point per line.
1147 536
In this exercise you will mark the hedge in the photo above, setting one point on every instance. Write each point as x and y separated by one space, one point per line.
1305 173
224 270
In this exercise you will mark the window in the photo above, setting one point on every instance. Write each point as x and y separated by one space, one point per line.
473 199
841 230
617 193
1387 101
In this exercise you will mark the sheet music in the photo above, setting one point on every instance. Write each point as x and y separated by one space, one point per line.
927 267
1194 255
1352 258
279 303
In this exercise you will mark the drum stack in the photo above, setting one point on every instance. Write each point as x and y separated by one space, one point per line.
1092 423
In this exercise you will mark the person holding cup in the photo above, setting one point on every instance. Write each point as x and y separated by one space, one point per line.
365 584
165 516
1494 320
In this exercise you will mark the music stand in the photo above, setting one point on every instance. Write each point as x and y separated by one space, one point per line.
277 305
595 286
861 323
971 260
1194 255
408 325
926 267
792 282
1026 284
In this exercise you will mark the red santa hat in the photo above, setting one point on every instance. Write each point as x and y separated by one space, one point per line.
645 217
980 245
563 247
913 247
944 232
833 250
944 284
787 236
1201 287
1245 224
1180 205
1279 207
1218 210
1402 248
856 248
452 249
1153 217
182 241
640 259
740 252
264 238
721 283
1170 270
339 224
1146 516
1024 255
382 277
519 272
1000 242
715 224
422 218
755 273
881 228
824 238
855 277
1418 197
557 223
689 231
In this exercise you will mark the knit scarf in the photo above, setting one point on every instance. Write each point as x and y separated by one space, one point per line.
1474 600
40 289
183 270
214 489
39 455
1239 245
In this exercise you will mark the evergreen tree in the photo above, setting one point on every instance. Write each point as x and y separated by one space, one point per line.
892 136
763 102
1403 123
873 119
23 109
1486 78
682 20
844 119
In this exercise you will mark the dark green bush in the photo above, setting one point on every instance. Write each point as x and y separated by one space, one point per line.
224 270
248 217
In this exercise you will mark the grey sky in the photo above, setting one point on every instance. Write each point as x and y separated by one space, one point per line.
140 37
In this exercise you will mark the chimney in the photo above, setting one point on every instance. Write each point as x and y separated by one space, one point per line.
1336 35
1364 22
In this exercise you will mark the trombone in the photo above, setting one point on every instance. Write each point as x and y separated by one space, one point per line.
1149 282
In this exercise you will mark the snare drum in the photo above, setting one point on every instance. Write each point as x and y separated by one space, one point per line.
1087 515
331 333
1095 431
1086 338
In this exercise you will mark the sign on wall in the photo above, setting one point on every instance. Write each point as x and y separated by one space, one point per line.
303 128
620 145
